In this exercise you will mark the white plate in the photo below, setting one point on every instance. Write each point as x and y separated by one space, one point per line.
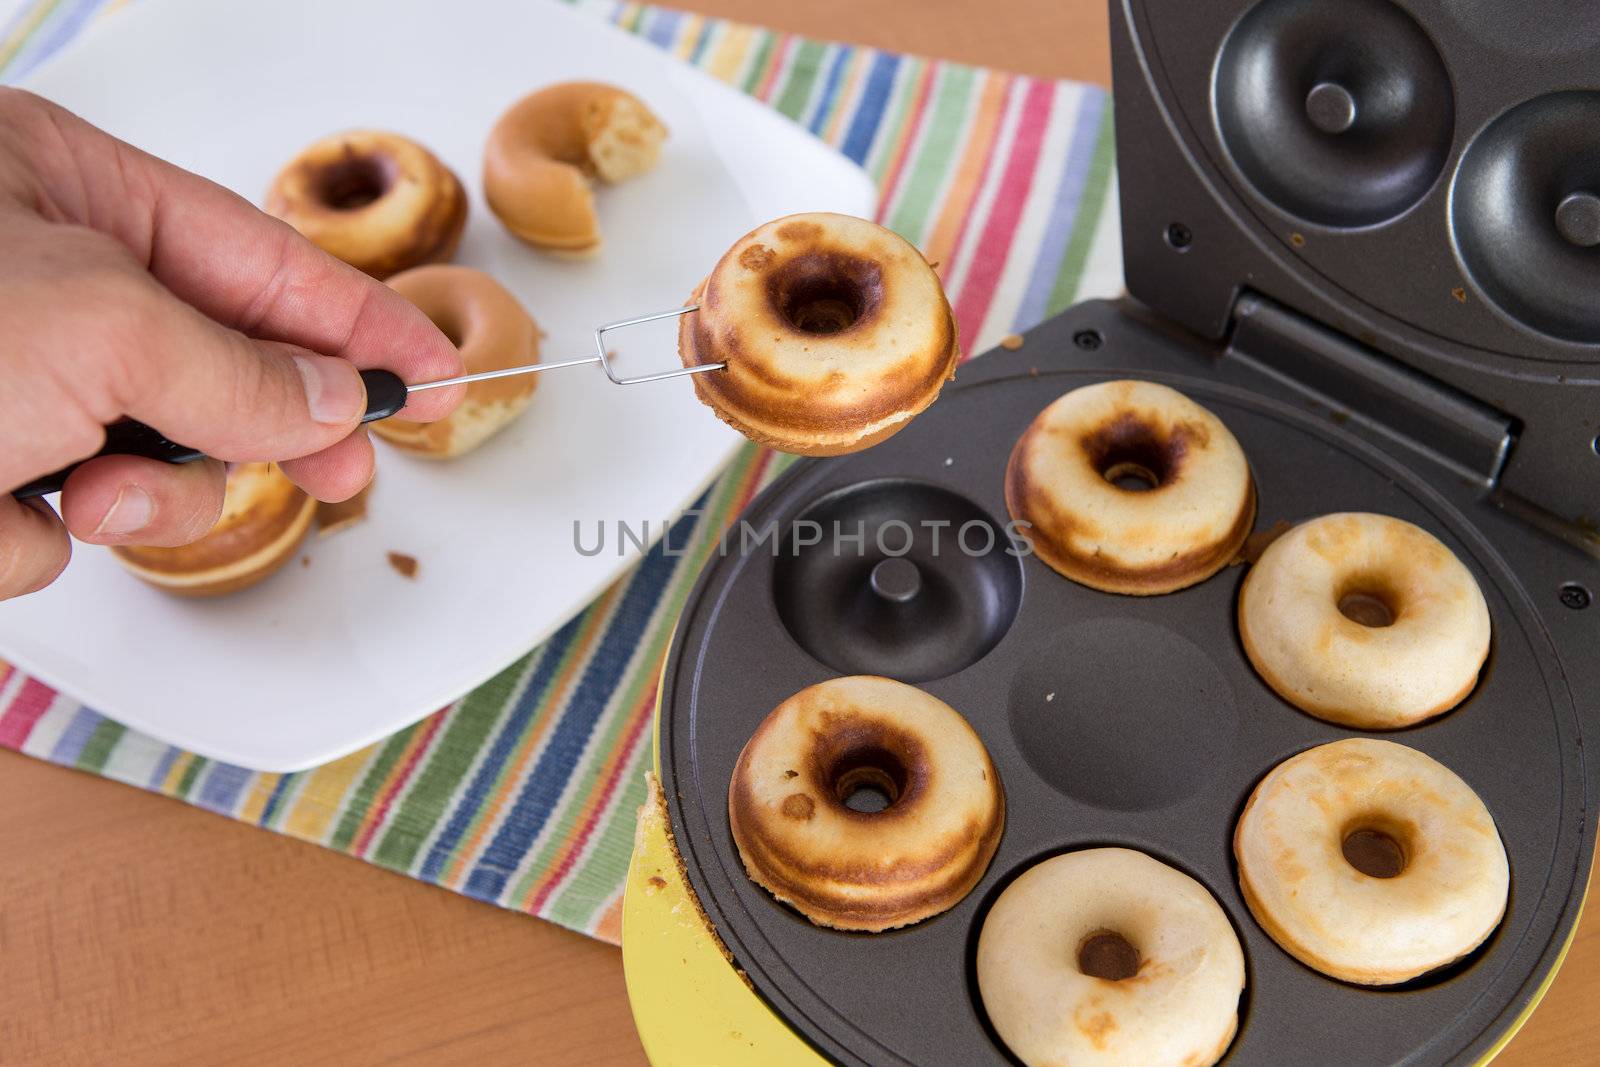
326 658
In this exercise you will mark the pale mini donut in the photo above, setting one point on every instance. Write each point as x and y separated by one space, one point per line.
1388 808
492 332
1418 653
1197 507
264 518
379 201
1109 957
855 870
835 331
546 149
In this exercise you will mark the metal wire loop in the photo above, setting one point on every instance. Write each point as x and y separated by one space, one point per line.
636 379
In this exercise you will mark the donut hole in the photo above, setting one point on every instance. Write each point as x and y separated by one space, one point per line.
1375 847
353 182
1108 955
867 778
1134 455
867 790
1368 604
826 313
825 292
1131 476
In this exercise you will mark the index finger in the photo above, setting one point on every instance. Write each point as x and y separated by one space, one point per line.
252 272
218 252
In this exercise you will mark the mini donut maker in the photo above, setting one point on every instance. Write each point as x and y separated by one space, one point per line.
1367 236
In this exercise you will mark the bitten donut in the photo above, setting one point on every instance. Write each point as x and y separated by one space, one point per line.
545 150
835 331
264 518
1371 862
492 331
1109 957
378 201
1364 620
1131 487
857 869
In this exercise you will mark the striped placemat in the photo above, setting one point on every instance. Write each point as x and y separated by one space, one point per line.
523 793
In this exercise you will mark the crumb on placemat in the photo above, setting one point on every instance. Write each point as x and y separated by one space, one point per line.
404 565
1011 341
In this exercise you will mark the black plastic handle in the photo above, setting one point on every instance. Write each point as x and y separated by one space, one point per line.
386 394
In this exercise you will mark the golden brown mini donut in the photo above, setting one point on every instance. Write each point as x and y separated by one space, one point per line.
835 331
858 870
1364 620
1371 861
264 518
1191 509
492 331
378 201
544 151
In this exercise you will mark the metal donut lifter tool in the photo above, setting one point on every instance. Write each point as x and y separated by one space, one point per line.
386 395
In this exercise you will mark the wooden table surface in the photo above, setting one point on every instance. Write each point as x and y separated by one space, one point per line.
136 929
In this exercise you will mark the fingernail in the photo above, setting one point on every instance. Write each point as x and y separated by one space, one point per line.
130 512
334 393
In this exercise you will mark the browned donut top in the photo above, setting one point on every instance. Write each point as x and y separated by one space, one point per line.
850 750
553 123
798 835
1365 620
492 331
544 150
377 200
486 323
1370 861
835 332
1131 487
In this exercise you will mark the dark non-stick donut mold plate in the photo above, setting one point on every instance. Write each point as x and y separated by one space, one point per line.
1432 230
1367 207
1135 721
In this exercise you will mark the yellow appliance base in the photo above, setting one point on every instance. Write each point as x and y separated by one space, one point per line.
690 1005
693 1009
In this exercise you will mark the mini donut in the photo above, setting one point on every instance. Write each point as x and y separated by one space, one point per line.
492 331
1371 862
1107 956
835 332
379 201
545 150
1364 620
860 870
264 518
1131 487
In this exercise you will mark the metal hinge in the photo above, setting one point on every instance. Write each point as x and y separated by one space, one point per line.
1375 393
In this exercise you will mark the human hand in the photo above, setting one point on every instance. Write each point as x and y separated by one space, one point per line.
132 288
